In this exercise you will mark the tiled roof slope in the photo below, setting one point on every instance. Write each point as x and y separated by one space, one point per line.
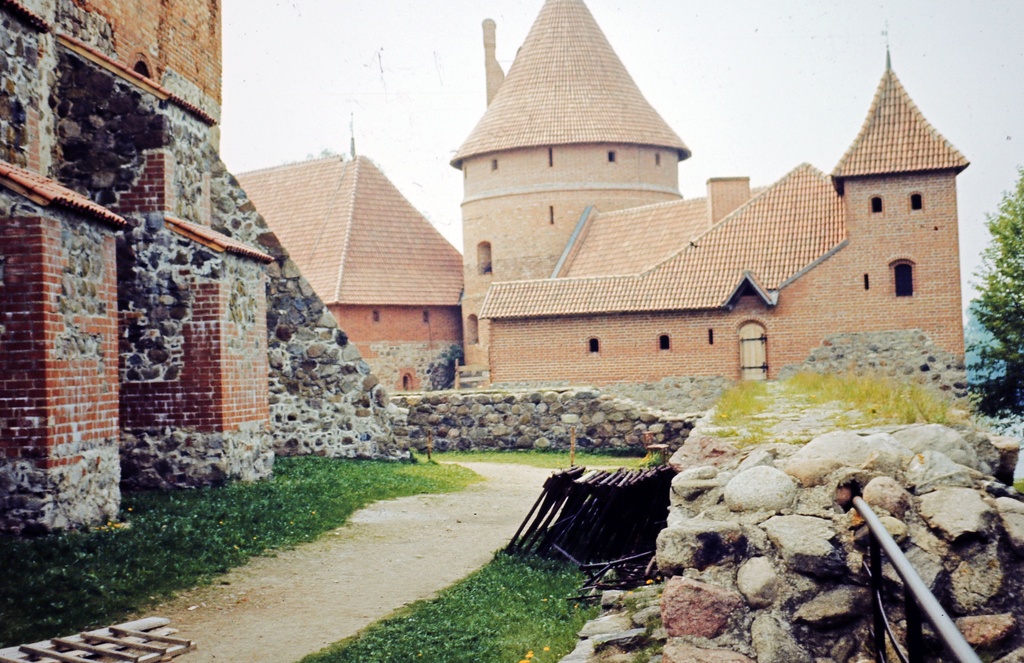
214 239
44 191
896 138
567 86
632 240
769 240
354 236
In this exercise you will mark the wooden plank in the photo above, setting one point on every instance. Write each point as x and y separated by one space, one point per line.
141 646
57 656
125 632
105 651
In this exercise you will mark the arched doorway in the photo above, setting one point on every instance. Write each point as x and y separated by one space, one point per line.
753 352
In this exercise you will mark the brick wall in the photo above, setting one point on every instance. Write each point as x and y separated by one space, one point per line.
512 208
179 36
830 299
58 373
401 343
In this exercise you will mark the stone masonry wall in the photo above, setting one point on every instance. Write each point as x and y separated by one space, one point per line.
901 355
58 370
534 420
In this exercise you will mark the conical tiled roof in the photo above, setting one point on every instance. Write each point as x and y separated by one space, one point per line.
355 237
896 138
567 86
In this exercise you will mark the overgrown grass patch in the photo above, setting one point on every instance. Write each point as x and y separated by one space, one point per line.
876 396
547 459
501 613
168 541
741 401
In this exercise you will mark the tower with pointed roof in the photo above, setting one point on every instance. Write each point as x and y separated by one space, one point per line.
566 130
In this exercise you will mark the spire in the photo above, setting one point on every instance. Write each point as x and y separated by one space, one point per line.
352 135
888 59
567 86
896 138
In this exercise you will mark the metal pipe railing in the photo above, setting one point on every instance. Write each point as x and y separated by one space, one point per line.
918 598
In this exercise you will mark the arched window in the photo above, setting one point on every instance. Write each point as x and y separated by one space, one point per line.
483 257
664 342
472 330
904 277
141 68
916 202
406 382
876 205
595 345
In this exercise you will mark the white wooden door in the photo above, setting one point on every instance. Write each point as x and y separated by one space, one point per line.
753 352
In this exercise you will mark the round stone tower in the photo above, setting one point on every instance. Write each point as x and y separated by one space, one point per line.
567 129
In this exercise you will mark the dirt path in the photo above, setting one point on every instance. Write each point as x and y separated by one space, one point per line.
278 609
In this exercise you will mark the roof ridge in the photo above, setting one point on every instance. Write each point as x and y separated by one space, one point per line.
293 164
349 222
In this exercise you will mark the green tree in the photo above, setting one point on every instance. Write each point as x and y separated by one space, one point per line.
999 370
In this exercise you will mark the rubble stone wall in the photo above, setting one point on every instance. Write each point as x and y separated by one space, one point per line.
534 420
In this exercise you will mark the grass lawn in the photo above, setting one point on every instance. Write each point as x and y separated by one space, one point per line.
556 460
511 610
63 583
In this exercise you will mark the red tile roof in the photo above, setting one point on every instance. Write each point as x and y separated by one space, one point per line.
354 236
123 71
567 86
768 241
632 240
896 138
26 14
44 191
214 239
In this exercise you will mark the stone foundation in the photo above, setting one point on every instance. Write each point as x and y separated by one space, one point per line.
82 491
900 355
534 420
179 458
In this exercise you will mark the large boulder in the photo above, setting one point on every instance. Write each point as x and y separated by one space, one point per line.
956 512
936 437
837 606
806 544
694 608
702 450
887 493
761 488
758 582
931 470
698 543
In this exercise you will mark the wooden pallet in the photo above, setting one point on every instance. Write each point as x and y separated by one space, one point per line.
143 641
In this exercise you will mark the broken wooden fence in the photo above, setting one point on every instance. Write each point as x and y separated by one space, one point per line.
598 520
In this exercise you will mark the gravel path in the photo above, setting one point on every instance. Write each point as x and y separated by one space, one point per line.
278 609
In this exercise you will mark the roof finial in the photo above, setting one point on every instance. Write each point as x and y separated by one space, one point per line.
352 134
888 59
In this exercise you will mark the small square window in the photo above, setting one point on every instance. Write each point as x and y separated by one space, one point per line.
664 342
595 345
611 156
376 316
916 202
876 205
494 164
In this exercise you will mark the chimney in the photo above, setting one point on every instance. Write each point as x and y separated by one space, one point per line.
725 194
495 76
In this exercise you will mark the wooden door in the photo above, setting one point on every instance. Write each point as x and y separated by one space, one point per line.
753 352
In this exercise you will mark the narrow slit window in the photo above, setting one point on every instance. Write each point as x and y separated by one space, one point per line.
426 317
611 156
376 316
551 157
867 282
916 202
657 158
483 257
664 342
711 337
876 205
494 164
595 345
551 214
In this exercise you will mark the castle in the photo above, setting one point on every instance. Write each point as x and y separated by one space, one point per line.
584 265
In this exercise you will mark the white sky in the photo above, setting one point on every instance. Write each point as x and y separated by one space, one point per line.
753 88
